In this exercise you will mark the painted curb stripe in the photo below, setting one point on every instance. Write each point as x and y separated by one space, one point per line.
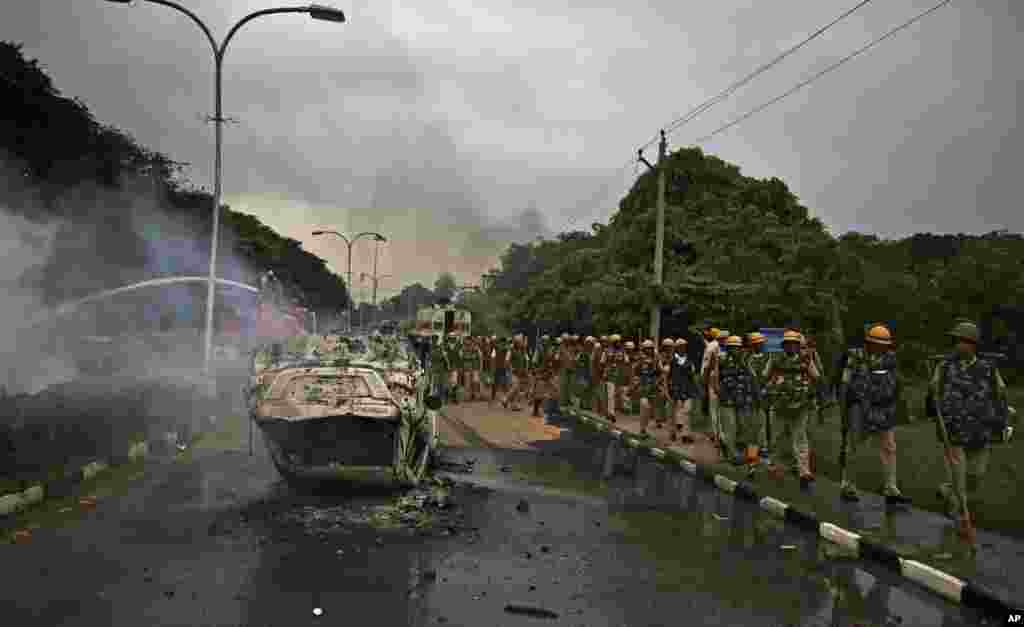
880 554
33 495
949 587
92 469
840 536
725 484
935 580
10 503
801 519
774 506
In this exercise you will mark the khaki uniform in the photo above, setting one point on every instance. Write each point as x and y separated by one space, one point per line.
615 364
791 409
709 376
520 376
644 374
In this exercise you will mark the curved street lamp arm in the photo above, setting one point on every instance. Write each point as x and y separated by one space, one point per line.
379 237
252 16
193 17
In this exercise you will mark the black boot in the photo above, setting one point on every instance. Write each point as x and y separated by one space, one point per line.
536 409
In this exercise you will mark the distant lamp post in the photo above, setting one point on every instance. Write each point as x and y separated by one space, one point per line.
315 11
376 236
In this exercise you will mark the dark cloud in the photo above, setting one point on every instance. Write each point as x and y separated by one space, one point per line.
442 122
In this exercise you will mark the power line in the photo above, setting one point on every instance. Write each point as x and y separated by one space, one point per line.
823 72
678 122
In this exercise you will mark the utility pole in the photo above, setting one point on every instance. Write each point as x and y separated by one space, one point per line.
659 239
375 278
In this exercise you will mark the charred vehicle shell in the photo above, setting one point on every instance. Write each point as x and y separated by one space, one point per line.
326 416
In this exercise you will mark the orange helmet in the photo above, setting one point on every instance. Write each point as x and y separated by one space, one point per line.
879 334
791 335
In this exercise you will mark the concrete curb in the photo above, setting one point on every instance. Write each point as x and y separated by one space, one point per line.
11 504
951 588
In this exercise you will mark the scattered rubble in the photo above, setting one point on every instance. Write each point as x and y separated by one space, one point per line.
527 610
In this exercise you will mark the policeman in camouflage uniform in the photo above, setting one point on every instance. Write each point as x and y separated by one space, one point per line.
615 365
684 389
789 390
454 352
970 395
584 378
738 395
630 403
644 380
439 368
663 406
758 361
869 392
566 365
501 370
808 351
545 372
472 362
599 378
486 367
520 366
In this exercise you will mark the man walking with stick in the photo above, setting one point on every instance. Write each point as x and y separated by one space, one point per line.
971 411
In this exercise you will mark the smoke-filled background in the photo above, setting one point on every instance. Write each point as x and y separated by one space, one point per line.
63 244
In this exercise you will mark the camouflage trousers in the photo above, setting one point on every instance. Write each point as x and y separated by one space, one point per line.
724 422
748 426
789 432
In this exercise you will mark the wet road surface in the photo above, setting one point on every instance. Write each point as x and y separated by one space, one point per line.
527 537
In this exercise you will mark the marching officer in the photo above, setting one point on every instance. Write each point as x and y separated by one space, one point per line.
645 375
439 368
869 392
454 352
472 362
615 364
663 406
789 378
520 366
630 404
500 362
684 389
599 378
737 402
758 361
970 396
566 366
709 377
585 396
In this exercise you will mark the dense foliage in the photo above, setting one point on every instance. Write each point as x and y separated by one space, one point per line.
69 166
743 252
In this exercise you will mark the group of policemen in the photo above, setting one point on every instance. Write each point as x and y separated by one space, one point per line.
753 398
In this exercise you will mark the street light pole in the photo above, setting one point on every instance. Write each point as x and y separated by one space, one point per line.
348 242
659 238
315 11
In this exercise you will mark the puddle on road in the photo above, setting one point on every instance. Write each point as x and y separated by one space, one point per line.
697 538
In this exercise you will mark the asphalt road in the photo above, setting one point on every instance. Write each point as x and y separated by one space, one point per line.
526 538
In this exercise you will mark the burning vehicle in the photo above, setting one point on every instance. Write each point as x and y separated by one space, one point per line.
328 414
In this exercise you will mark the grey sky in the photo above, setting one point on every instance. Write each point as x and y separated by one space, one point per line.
441 123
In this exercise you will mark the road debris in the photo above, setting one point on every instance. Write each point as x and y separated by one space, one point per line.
788 547
527 610
523 506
